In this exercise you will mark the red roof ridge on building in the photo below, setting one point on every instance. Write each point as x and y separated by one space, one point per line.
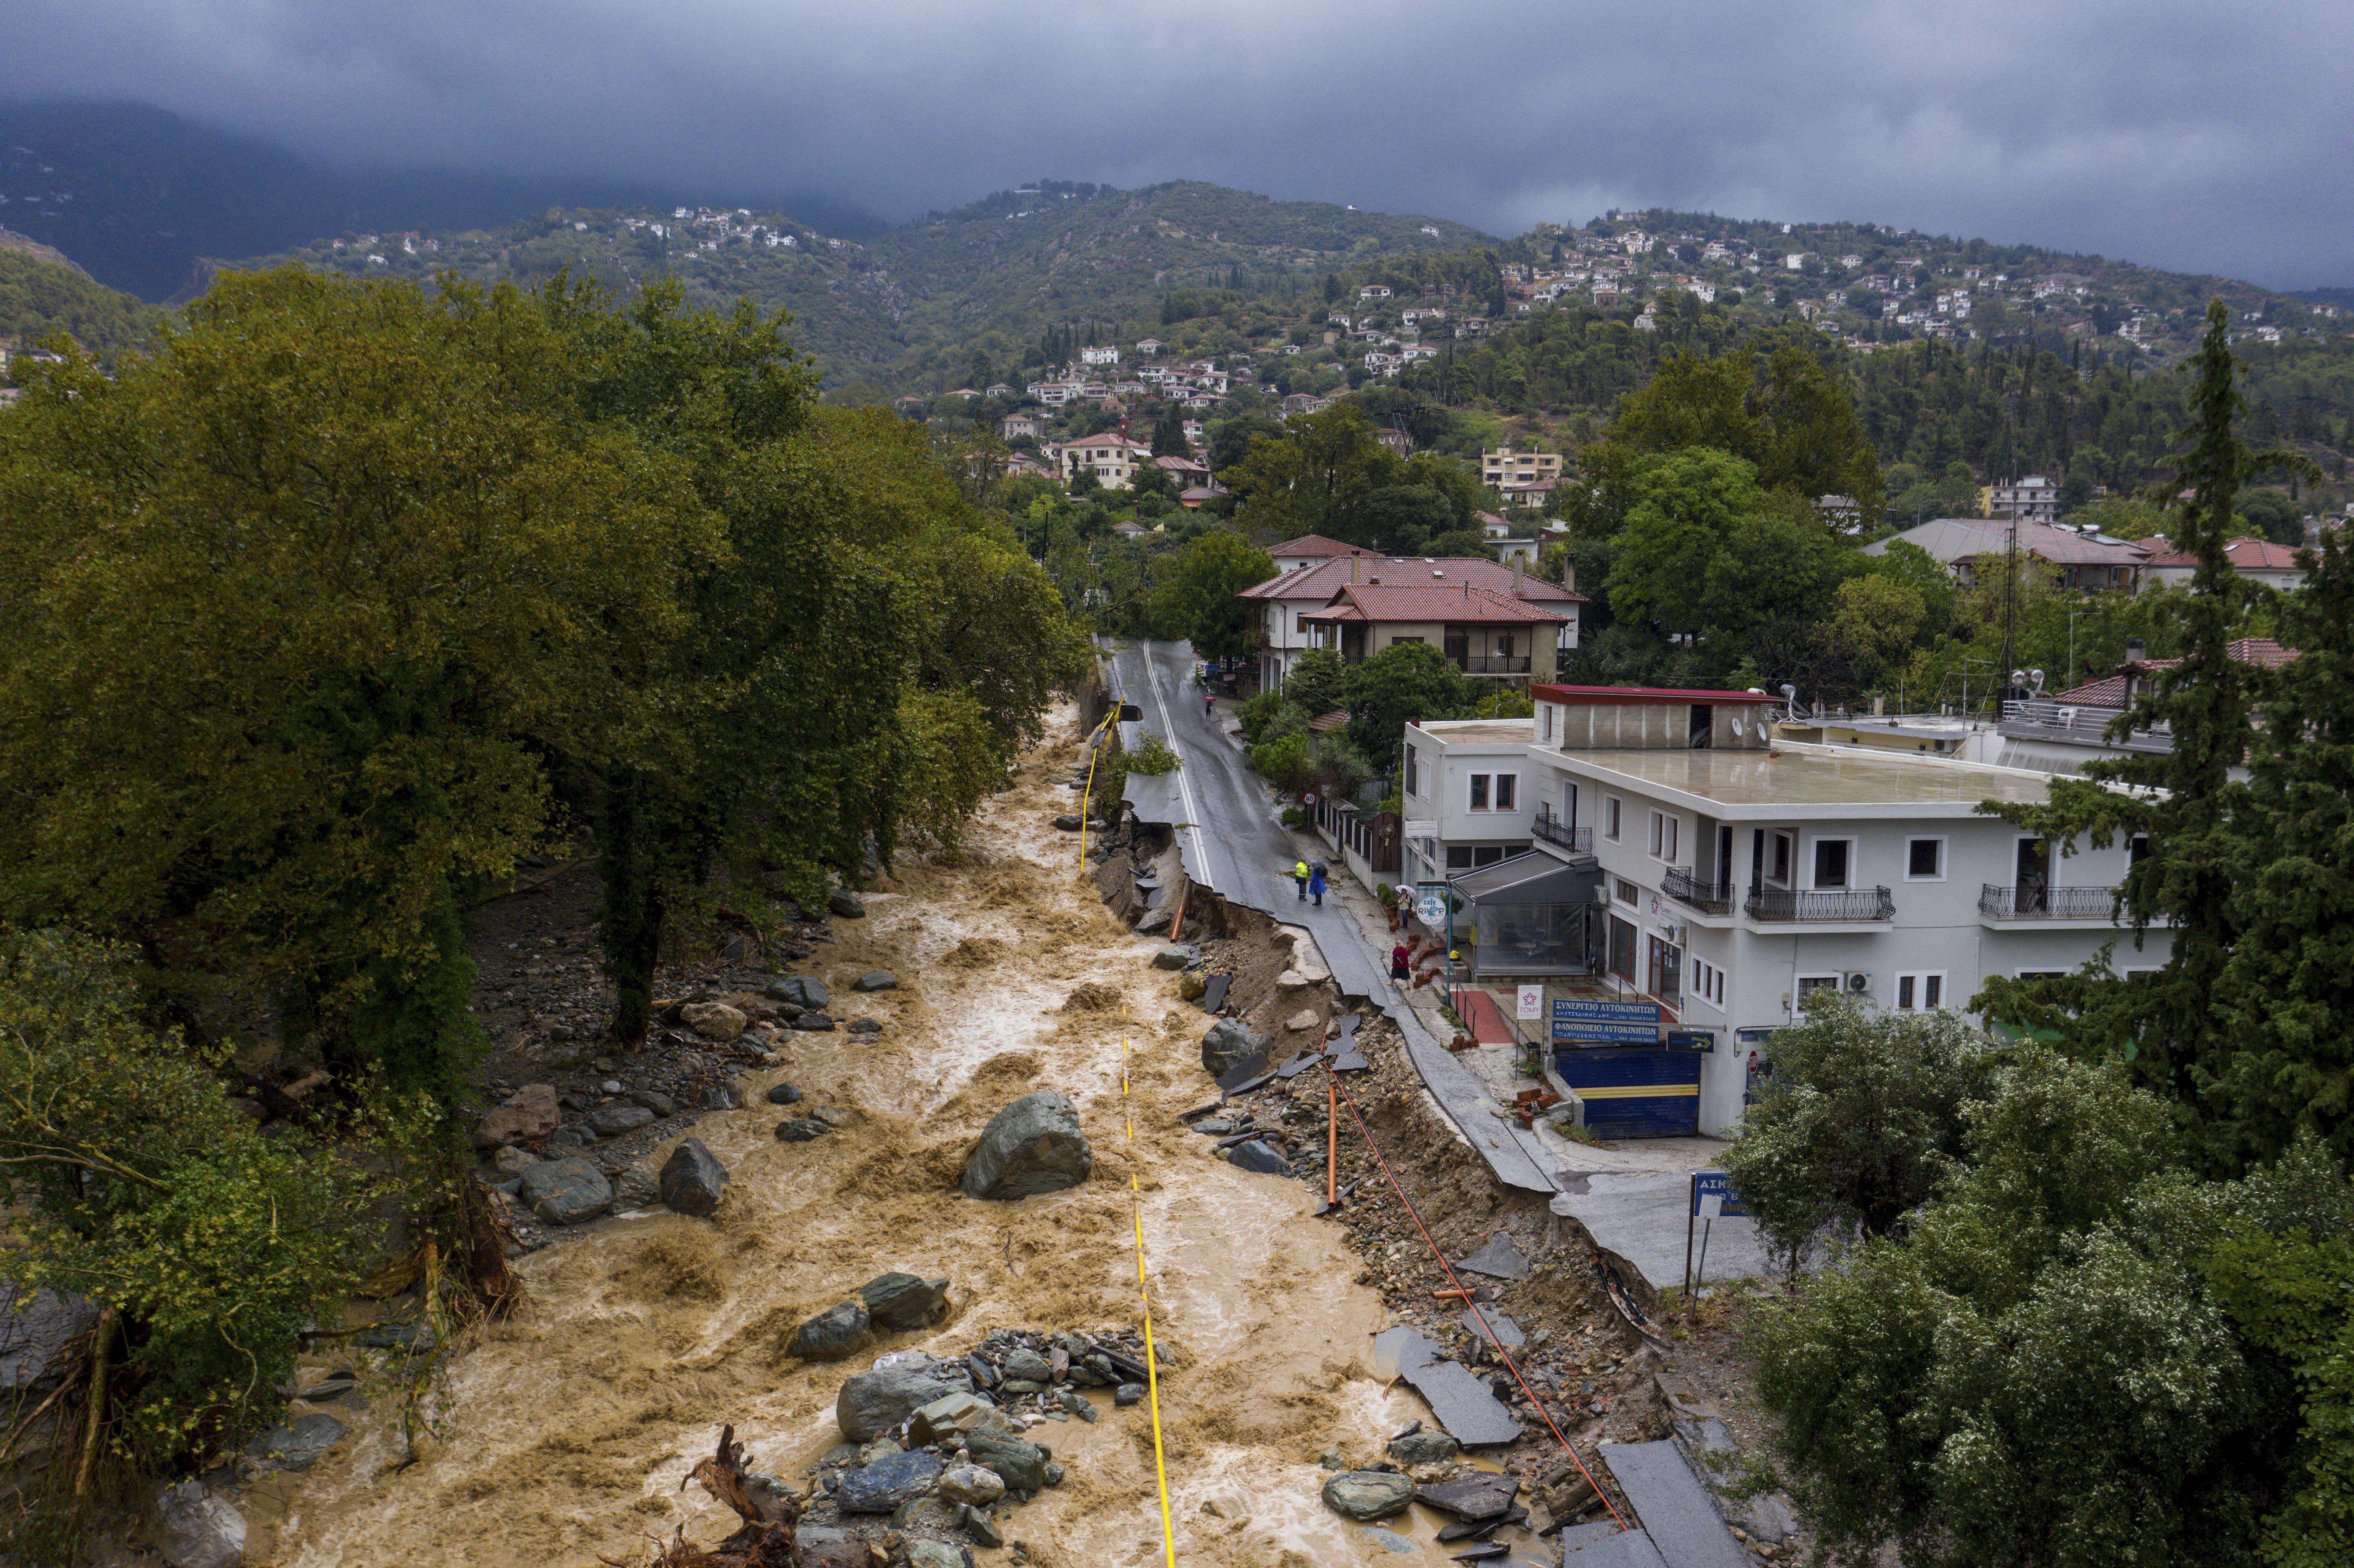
1551 692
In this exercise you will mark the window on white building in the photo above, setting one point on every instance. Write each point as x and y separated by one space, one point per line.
1778 860
1413 771
1924 859
1922 992
1834 862
1610 816
1479 791
1808 984
1545 722
1508 790
1665 835
1627 892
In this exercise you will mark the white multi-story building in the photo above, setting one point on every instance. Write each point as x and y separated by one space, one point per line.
1717 874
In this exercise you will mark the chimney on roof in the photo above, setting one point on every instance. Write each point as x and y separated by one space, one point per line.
2136 651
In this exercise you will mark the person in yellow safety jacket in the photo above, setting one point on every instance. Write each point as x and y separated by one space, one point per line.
1299 876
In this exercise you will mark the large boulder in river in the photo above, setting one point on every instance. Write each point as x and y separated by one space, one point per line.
1031 1145
692 1178
873 1404
1229 1042
903 1301
833 1333
713 1019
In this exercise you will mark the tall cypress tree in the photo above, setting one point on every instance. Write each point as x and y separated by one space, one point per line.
2190 876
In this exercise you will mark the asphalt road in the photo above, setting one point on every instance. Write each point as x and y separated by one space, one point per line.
1234 840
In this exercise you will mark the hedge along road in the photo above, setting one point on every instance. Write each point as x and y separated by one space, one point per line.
570 1431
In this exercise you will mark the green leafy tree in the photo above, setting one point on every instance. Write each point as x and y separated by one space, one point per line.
131 1180
1317 679
1707 552
1197 600
1867 1121
1315 477
290 610
2035 1373
1404 683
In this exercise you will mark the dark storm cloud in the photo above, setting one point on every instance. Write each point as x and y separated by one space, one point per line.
2193 136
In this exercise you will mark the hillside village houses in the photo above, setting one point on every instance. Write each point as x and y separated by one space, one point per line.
1715 874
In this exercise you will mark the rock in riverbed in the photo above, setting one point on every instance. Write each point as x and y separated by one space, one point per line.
875 980
713 1020
1033 1145
887 1482
846 904
529 1114
200 1529
1368 1495
803 992
902 1301
692 1178
836 1332
1229 1041
783 1095
875 1402
635 1188
566 1191
611 1121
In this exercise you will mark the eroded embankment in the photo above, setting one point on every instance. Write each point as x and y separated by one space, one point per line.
568 1431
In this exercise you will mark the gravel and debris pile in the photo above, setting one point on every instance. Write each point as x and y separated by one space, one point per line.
945 1455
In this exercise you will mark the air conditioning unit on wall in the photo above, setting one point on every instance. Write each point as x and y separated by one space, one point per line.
1858 981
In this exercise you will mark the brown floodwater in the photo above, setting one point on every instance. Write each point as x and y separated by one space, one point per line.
566 1435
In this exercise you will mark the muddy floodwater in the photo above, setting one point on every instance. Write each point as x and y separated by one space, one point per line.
568 1433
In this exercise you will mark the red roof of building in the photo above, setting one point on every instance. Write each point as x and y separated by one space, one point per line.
2110 691
1388 602
1608 696
1314 544
1321 579
2245 556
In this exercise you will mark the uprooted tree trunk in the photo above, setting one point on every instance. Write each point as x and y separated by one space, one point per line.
766 1539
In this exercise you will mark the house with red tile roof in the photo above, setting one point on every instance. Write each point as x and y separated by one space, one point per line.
2258 560
1481 631
1326 567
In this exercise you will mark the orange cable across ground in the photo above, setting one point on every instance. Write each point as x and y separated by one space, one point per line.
1465 1293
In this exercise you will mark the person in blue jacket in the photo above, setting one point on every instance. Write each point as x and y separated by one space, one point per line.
1315 883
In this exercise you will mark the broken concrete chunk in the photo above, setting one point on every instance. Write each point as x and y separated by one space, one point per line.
1501 1258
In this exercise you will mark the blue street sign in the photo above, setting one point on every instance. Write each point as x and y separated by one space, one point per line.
1715 1184
1623 1022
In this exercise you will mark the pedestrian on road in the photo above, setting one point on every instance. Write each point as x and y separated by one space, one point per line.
1405 909
1209 704
1299 876
1315 883
1399 963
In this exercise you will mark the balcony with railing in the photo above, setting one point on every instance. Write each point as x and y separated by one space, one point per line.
1777 906
1561 835
1492 664
2033 903
1707 897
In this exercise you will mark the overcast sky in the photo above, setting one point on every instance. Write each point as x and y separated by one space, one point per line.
2207 136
